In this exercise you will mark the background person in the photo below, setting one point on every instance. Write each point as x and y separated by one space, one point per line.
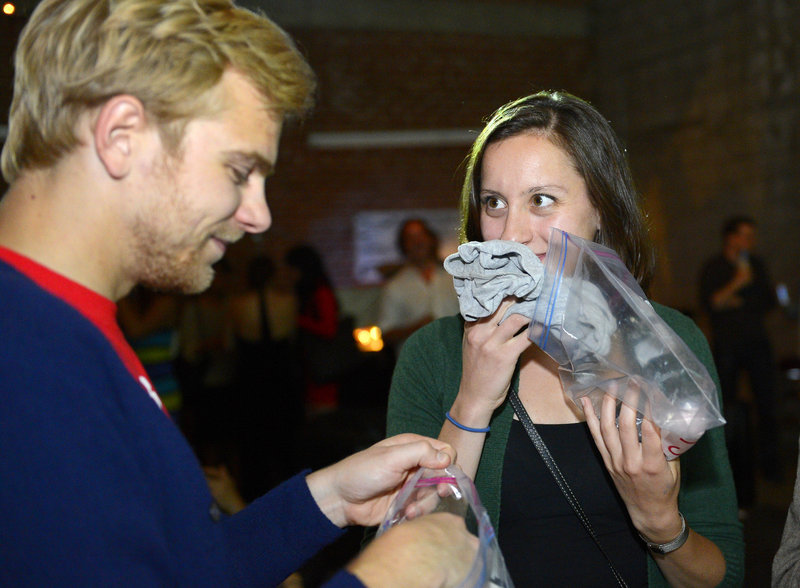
150 323
317 321
140 136
267 397
551 160
737 294
420 291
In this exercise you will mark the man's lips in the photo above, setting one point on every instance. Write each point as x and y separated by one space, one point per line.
226 239
222 242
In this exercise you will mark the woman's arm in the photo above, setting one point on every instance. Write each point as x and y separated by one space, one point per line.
490 352
439 370
701 487
649 484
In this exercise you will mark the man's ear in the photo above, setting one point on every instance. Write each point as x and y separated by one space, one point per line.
117 133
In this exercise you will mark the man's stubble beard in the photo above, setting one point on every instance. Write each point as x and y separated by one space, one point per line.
164 259
162 264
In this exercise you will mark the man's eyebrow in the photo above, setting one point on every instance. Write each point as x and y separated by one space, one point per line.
264 165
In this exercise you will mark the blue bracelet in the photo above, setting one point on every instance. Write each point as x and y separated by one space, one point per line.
464 427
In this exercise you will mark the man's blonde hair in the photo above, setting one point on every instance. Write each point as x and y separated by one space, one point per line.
73 55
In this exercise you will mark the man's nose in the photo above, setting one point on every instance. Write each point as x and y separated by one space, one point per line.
253 212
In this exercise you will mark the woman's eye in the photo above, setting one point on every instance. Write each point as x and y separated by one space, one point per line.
542 200
492 203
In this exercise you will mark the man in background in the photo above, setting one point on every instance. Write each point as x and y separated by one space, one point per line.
141 133
737 294
421 290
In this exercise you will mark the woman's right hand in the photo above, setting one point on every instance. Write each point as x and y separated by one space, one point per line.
489 354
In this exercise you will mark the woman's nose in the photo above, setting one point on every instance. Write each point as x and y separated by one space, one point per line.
518 228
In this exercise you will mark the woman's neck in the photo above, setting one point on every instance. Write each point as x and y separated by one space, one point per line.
541 391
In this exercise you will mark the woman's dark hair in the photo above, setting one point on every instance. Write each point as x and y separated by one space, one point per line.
308 262
578 128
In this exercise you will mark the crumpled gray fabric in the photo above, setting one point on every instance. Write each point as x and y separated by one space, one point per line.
484 273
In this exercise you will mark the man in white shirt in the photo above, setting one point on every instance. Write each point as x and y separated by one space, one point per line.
420 291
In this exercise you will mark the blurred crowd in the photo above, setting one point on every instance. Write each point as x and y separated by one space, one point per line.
241 369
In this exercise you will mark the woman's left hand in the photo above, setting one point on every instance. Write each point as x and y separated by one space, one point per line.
646 481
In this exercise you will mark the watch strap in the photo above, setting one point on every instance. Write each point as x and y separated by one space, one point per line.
669 546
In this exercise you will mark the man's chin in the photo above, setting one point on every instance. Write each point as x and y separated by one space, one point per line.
193 283
201 283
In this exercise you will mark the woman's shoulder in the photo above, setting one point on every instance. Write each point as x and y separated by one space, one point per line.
685 327
445 327
679 321
439 334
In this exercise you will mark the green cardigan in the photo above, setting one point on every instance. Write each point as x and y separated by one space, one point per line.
425 384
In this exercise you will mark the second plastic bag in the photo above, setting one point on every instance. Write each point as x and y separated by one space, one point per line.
594 320
450 490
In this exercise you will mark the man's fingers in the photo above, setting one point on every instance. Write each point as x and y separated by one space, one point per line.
411 450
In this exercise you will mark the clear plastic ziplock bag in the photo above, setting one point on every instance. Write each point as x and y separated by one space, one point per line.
450 490
594 320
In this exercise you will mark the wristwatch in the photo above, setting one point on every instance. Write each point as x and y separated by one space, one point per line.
669 546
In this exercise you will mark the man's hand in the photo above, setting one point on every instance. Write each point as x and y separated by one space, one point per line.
728 296
359 489
433 551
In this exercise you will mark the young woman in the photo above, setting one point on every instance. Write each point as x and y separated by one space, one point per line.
317 317
551 160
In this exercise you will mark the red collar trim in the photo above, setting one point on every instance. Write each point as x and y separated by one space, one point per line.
98 309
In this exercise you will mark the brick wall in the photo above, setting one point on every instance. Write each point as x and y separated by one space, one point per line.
705 94
707 97
396 81
387 81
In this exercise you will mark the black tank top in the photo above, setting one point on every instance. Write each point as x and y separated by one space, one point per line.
542 540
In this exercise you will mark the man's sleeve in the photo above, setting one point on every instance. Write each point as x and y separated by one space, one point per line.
343 579
276 534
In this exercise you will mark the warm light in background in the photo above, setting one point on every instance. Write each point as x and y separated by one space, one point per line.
9 8
369 338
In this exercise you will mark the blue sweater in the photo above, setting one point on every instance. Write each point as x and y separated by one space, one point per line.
98 487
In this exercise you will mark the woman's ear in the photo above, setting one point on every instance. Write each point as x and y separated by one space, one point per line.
598 228
119 122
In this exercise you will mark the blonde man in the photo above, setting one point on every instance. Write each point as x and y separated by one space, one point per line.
140 136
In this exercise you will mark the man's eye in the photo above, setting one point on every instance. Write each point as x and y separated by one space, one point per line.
240 176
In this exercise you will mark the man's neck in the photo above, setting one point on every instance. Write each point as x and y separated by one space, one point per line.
47 226
426 269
